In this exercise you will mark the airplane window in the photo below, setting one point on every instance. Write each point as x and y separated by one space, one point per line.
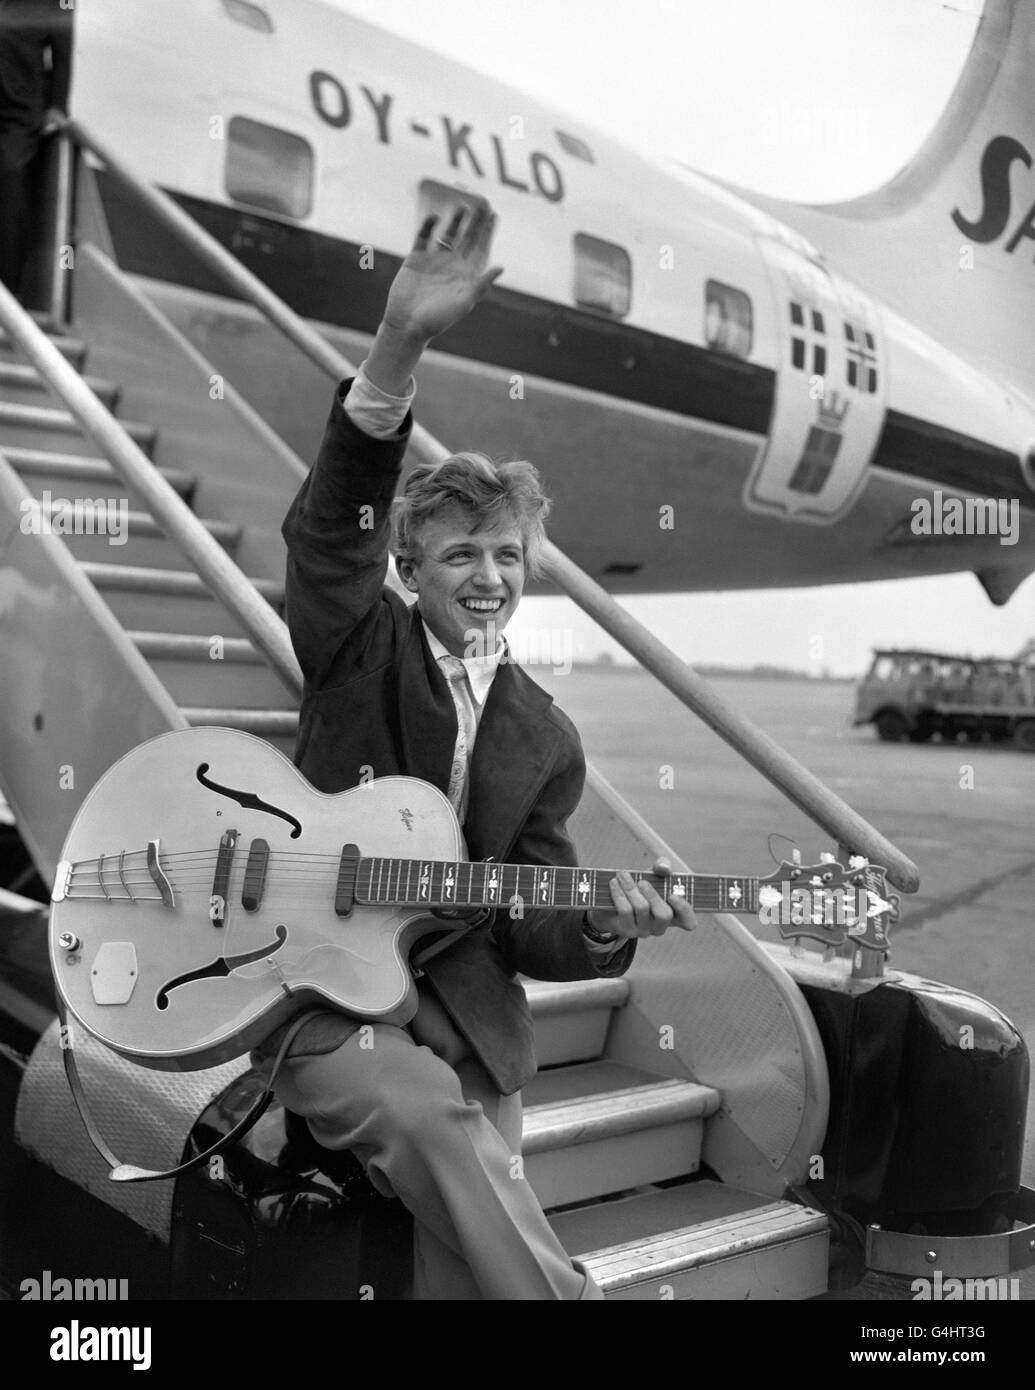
442 199
571 144
253 16
727 319
269 168
603 276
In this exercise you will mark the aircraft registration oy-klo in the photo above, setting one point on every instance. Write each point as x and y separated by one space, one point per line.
722 389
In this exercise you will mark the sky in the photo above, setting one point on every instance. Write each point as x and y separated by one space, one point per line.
815 100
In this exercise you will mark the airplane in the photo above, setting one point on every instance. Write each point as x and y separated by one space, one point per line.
753 393
676 347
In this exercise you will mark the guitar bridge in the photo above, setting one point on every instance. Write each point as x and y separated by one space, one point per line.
154 868
62 878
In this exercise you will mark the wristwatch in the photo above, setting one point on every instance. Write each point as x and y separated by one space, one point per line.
602 938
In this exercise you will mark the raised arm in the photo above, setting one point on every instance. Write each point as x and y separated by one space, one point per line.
437 285
337 528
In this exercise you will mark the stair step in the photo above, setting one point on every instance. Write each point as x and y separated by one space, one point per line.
20 424
22 383
267 723
700 1240
601 1127
138 579
572 1018
78 470
185 646
146 599
134 536
74 349
199 672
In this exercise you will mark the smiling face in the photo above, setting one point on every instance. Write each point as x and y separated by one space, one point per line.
468 583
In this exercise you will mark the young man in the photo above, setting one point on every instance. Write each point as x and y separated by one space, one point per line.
432 1110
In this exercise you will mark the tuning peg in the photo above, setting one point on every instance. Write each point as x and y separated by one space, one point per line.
858 861
827 858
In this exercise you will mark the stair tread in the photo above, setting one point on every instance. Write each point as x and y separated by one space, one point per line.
24 374
547 997
144 524
155 580
62 341
650 1235
87 468
598 1115
186 646
555 1085
256 721
49 417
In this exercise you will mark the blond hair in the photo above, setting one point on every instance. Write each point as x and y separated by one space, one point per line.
485 489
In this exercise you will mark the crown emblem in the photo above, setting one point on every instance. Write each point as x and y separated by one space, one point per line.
832 411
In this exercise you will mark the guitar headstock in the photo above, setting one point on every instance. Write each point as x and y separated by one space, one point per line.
829 903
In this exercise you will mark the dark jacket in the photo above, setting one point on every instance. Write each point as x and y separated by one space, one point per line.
375 699
28 85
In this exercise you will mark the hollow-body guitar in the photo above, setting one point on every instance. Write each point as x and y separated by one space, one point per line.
207 891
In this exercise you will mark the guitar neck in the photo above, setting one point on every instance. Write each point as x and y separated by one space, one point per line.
460 883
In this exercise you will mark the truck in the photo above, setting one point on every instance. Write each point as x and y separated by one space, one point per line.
916 695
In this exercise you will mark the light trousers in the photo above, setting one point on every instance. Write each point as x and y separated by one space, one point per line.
420 1113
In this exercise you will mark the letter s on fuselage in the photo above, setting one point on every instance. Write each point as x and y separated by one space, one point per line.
1000 153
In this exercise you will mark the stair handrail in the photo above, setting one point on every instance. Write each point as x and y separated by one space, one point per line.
852 831
211 562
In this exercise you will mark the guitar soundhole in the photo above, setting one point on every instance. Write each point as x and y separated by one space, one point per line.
219 969
248 800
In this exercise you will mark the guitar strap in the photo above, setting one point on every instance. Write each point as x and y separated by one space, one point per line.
128 1172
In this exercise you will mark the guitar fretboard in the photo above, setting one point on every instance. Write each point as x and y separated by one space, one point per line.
460 883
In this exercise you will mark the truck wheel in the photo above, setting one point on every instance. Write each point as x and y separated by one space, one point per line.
1024 735
891 727
922 732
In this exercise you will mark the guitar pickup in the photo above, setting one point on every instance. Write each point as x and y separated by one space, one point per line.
221 880
345 888
255 875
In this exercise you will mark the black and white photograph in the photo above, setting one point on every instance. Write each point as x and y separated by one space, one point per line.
517 666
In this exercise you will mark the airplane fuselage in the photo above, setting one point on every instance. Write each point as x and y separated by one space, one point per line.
712 405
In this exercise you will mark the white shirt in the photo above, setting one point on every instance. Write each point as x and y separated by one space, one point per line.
374 411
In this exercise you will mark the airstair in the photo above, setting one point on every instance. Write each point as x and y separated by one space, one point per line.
675 1112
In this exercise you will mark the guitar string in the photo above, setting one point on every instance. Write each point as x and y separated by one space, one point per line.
208 856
